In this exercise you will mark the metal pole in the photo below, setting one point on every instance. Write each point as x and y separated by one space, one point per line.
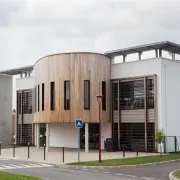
63 153
28 150
78 144
14 150
0 148
99 131
44 151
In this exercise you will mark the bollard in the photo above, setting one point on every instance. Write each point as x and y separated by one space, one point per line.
28 150
0 148
14 146
44 151
63 154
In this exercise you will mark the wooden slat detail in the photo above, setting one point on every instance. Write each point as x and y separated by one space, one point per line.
28 118
145 112
150 115
75 67
132 116
119 112
155 109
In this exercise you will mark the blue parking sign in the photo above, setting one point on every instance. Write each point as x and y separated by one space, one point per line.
78 123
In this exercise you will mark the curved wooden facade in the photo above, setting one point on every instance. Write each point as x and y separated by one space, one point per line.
75 67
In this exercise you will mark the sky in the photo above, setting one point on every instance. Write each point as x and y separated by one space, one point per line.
31 29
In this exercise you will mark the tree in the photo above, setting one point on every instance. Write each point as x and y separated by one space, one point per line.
14 110
160 138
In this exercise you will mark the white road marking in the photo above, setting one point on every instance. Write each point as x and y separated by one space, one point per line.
145 178
131 176
106 172
118 174
95 170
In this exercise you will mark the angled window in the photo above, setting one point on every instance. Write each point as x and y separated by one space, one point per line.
42 96
86 94
66 95
104 95
52 96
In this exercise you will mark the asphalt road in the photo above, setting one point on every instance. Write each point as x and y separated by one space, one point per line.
50 172
151 172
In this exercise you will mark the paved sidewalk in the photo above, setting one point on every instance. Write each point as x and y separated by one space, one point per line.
54 156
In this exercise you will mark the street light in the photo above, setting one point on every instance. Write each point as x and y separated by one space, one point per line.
99 99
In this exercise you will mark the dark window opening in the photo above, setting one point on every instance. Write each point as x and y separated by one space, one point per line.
66 95
19 102
52 95
38 97
150 94
132 95
115 96
42 96
86 94
27 102
104 95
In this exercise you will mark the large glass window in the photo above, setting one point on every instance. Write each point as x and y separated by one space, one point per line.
86 94
66 95
52 96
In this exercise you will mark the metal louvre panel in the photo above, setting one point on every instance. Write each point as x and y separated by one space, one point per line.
150 115
115 116
28 118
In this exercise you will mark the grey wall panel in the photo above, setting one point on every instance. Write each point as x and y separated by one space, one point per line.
6 109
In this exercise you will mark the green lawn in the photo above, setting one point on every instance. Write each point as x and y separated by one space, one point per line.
10 176
177 174
130 161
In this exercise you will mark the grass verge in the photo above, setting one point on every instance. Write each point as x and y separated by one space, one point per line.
10 176
130 161
177 174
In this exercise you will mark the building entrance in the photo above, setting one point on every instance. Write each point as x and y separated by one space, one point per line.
93 136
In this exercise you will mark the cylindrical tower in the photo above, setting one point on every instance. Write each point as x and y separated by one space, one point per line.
66 87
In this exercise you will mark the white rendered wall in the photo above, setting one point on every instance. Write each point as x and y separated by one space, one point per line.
24 83
170 102
6 109
66 134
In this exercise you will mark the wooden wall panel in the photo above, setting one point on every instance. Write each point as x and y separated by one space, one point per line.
75 67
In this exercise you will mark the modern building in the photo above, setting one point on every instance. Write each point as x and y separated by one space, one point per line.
140 88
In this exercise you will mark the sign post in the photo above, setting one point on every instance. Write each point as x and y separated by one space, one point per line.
78 125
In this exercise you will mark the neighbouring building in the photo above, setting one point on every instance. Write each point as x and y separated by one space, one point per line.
140 96
6 136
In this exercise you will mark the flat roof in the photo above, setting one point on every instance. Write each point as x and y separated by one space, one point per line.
164 45
16 71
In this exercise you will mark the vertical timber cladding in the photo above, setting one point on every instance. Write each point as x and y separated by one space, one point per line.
135 115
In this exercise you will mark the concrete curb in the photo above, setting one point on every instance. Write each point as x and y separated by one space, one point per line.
122 166
171 177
